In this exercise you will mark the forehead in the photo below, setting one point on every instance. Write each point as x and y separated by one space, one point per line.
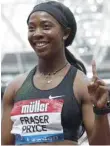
42 16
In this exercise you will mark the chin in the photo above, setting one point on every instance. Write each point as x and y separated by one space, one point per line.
43 55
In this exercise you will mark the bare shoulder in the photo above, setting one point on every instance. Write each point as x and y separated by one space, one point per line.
82 78
8 102
14 86
19 80
81 86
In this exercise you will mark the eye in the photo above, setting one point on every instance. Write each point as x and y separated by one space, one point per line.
46 26
31 28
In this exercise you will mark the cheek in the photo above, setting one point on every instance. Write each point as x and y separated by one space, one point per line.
58 39
30 38
55 36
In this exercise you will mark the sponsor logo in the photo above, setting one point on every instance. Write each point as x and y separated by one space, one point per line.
52 97
34 107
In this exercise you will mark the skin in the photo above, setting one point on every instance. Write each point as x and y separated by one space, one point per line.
43 27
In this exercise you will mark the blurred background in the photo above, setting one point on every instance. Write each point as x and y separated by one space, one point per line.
91 42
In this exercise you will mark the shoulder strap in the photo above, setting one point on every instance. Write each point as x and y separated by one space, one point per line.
27 84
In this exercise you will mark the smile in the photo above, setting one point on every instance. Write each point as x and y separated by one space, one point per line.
41 44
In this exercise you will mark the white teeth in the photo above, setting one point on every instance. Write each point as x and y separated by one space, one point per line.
40 44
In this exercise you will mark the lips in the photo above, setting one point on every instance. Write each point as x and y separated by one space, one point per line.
40 45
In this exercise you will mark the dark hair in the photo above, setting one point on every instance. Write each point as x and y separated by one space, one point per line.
75 62
66 18
71 24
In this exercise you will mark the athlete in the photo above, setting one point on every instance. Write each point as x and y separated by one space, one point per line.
48 104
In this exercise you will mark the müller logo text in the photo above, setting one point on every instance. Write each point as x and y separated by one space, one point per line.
35 106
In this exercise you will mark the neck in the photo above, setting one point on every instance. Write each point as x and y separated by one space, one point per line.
46 66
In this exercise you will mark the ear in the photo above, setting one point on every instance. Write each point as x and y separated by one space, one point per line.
66 33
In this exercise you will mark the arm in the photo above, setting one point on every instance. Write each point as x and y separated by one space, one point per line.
6 137
97 129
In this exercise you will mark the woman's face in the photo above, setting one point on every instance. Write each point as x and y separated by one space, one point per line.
45 34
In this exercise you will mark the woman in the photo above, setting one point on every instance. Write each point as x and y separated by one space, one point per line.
49 104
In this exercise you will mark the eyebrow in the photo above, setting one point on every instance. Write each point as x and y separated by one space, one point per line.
42 21
30 23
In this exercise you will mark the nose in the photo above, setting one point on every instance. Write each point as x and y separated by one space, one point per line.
38 33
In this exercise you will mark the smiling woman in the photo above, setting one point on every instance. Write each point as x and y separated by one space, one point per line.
42 34
50 103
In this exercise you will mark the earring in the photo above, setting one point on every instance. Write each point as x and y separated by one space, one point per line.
64 38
